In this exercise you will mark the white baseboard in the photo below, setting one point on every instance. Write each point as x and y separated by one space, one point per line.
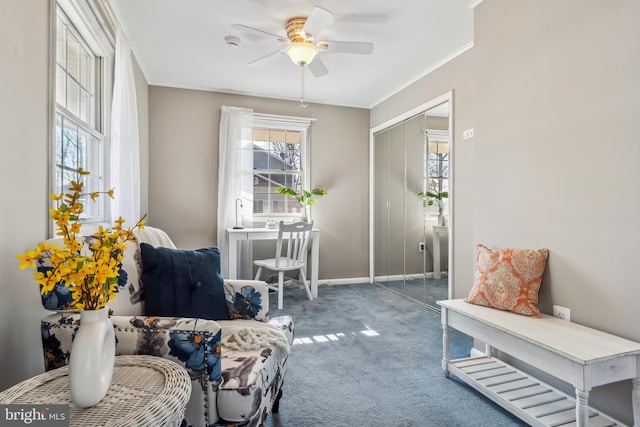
347 281
397 277
354 280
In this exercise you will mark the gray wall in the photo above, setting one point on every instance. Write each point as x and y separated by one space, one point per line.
552 90
556 142
183 157
24 146
24 77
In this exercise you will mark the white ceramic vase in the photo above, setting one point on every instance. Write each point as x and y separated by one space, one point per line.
92 358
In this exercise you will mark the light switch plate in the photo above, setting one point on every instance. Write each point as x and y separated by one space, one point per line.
467 134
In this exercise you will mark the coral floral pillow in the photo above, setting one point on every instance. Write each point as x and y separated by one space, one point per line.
508 279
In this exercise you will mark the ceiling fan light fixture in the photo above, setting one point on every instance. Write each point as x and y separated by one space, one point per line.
302 53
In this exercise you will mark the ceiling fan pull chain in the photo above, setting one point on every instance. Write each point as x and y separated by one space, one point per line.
302 104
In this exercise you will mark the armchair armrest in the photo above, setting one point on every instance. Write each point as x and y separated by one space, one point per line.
247 299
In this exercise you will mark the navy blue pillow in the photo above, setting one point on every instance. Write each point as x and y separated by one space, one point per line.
183 283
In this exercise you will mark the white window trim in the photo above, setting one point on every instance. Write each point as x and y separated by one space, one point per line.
302 125
102 43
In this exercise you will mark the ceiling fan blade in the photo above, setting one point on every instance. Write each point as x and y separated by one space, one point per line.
317 21
265 59
317 67
363 18
361 48
259 33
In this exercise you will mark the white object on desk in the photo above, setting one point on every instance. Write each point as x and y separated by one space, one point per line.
271 224
437 231
234 236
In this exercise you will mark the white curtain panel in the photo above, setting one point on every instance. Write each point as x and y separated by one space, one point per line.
235 183
124 147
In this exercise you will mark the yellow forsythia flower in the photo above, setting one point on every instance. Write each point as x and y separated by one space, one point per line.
89 273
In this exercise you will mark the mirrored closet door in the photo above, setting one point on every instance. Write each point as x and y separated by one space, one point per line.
411 186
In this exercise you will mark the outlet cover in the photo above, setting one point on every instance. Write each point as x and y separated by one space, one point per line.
467 134
563 313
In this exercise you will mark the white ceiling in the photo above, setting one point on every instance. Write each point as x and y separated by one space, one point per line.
180 43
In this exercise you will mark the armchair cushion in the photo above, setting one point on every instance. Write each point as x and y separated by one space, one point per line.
183 283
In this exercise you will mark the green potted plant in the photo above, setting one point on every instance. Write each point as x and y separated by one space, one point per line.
305 197
437 199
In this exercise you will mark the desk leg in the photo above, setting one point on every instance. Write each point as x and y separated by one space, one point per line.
315 258
635 400
232 256
436 255
582 408
445 343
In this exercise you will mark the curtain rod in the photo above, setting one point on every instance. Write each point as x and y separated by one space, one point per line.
293 119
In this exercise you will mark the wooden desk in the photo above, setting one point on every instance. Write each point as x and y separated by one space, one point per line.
576 354
234 236
437 231
145 391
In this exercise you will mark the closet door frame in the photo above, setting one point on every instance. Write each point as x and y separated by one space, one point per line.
446 97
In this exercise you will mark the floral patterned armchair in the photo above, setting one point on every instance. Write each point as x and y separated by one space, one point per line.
236 366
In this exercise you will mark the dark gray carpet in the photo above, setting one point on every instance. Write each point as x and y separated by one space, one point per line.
427 291
366 356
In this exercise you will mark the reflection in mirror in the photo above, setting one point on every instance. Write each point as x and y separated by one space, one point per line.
411 205
437 175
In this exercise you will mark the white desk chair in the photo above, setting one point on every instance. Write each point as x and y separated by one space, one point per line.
295 259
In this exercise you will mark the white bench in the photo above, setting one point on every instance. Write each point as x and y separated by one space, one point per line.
578 355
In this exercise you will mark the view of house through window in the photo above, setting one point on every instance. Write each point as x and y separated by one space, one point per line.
79 137
279 160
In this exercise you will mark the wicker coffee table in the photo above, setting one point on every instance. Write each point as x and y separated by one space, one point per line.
144 391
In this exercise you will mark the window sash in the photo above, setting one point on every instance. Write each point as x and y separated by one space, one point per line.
278 134
80 56
79 147
76 73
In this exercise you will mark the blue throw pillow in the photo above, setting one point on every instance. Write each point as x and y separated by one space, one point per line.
183 283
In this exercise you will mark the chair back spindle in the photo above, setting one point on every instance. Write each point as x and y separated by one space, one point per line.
297 236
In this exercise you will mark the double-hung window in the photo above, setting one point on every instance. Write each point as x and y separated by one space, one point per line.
82 57
280 159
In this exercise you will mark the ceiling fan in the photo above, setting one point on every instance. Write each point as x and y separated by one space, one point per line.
301 42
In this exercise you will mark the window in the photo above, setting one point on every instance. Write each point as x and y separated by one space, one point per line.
279 160
437 169
79 73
